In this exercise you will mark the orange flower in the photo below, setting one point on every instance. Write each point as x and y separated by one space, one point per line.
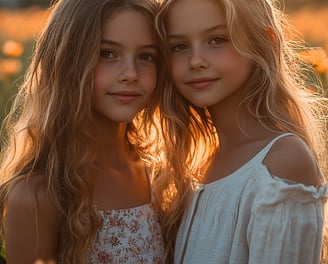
317 57
312 23
12 48
22 24
9 67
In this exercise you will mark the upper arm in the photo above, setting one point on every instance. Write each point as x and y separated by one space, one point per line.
290 158
286 224
32 225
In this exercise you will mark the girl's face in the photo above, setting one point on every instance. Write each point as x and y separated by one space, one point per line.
125 76
206 67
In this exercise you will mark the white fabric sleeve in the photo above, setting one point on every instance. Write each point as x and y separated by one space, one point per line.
286 224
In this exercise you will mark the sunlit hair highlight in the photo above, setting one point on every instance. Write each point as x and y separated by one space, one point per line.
279 95
47 129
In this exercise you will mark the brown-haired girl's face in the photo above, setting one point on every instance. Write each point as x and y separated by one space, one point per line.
125 76
206 67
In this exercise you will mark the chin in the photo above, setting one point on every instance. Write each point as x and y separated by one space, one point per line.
123 119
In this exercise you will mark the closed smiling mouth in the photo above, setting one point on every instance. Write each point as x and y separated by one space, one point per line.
124 96
201 82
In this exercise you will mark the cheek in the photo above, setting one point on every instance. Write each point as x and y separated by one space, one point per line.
100 77
97 84
149 78
231 63
177 69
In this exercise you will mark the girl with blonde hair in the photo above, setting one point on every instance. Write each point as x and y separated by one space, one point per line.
77 162
245 131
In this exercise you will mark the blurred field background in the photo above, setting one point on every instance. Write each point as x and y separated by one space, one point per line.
21 20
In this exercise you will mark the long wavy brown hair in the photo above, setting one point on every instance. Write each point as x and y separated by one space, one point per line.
280 97
47 130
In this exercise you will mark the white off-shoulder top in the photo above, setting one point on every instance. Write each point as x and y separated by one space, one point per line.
252 217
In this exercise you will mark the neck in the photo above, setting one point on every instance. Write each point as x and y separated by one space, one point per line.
236 128
111 144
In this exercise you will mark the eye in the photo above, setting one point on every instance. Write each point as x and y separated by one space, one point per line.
218 40
107 54
178 47
147 57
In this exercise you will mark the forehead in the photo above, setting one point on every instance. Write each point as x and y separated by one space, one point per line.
126 25
194 15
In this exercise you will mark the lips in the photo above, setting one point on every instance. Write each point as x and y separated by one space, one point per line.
124 96
201 83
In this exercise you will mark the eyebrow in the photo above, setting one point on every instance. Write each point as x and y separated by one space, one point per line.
216 27
117 44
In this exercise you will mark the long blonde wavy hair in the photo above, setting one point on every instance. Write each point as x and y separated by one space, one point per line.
47 130
280 97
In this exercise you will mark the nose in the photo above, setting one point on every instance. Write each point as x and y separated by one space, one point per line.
198 60
129 72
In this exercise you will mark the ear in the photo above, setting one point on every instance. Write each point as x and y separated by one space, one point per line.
271 34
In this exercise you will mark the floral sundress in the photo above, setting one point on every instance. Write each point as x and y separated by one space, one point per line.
130 235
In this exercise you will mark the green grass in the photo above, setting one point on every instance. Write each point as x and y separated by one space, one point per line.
2 254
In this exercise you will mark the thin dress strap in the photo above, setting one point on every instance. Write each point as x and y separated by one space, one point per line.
149 173
262 154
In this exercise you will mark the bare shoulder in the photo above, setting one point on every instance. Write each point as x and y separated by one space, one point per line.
30 195
291 158
32 223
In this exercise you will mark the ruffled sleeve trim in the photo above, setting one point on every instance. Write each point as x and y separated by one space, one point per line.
286 223
277 189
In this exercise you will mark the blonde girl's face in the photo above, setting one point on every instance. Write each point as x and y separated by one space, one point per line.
125 76
206 68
